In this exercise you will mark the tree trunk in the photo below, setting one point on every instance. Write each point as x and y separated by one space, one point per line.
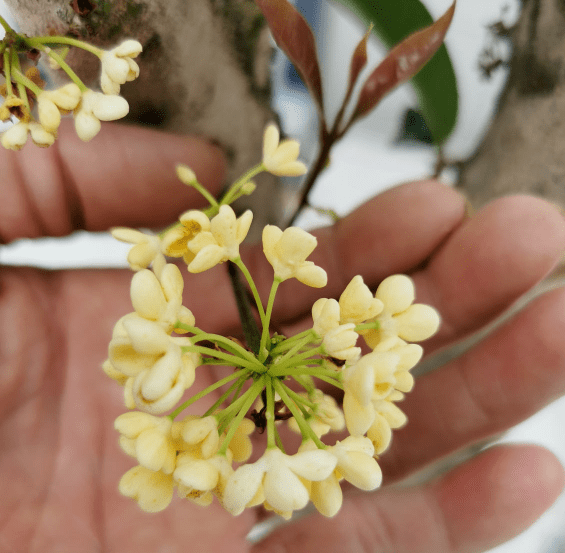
524 150
204 69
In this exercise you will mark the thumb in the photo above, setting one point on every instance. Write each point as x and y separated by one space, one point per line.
125 176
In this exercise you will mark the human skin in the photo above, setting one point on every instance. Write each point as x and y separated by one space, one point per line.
59 458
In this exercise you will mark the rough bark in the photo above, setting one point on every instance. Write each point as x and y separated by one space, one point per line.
204 68
524 150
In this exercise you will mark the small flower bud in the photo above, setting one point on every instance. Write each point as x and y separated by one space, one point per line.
248 188
185 174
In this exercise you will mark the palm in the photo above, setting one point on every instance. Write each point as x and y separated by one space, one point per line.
60 469
60 462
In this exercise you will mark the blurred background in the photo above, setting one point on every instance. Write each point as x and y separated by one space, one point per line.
384 149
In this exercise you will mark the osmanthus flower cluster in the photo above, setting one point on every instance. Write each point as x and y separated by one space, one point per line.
273 385
37 112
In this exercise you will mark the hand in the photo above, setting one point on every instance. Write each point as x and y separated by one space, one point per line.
60 462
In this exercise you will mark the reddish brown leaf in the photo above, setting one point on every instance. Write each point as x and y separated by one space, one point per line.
402 62
296 39
359 58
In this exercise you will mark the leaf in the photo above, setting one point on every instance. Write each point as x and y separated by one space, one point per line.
402 62
435 83
295 38
358 59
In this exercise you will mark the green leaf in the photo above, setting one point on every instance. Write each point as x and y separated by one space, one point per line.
435 84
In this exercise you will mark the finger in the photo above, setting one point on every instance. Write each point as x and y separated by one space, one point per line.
509 376
474 508
484 263
490 261
125 176
394 232
472 268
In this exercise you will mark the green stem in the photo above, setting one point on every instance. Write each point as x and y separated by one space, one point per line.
229 196
287 344
278 440
63 64
22 93
270 414
39 42
298 399
4 24
297 347
225 395
226 415
263 353
206 391
246 400
331 381
316 372
288 363
212 201
305 381
305 428
215 362
237 361
228 344
243 268
237 391
375 325
7 69
20 78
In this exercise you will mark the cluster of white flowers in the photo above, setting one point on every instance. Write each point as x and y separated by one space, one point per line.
274 386
88 107
143 355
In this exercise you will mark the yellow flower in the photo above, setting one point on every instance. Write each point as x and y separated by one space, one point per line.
175 242
221 242
326 416
16 136
280 475
325 315
410 355
202 434
240 444
160 299
357 303
118 66
146 249
340 343
153 490
148 439
51 102
15 106
387 417
200 479
280 158
95 107
160 373
287 252
371 378
401 317
355 463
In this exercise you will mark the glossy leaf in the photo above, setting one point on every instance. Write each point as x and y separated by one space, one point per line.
296 39
358 59
402 62
436 83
